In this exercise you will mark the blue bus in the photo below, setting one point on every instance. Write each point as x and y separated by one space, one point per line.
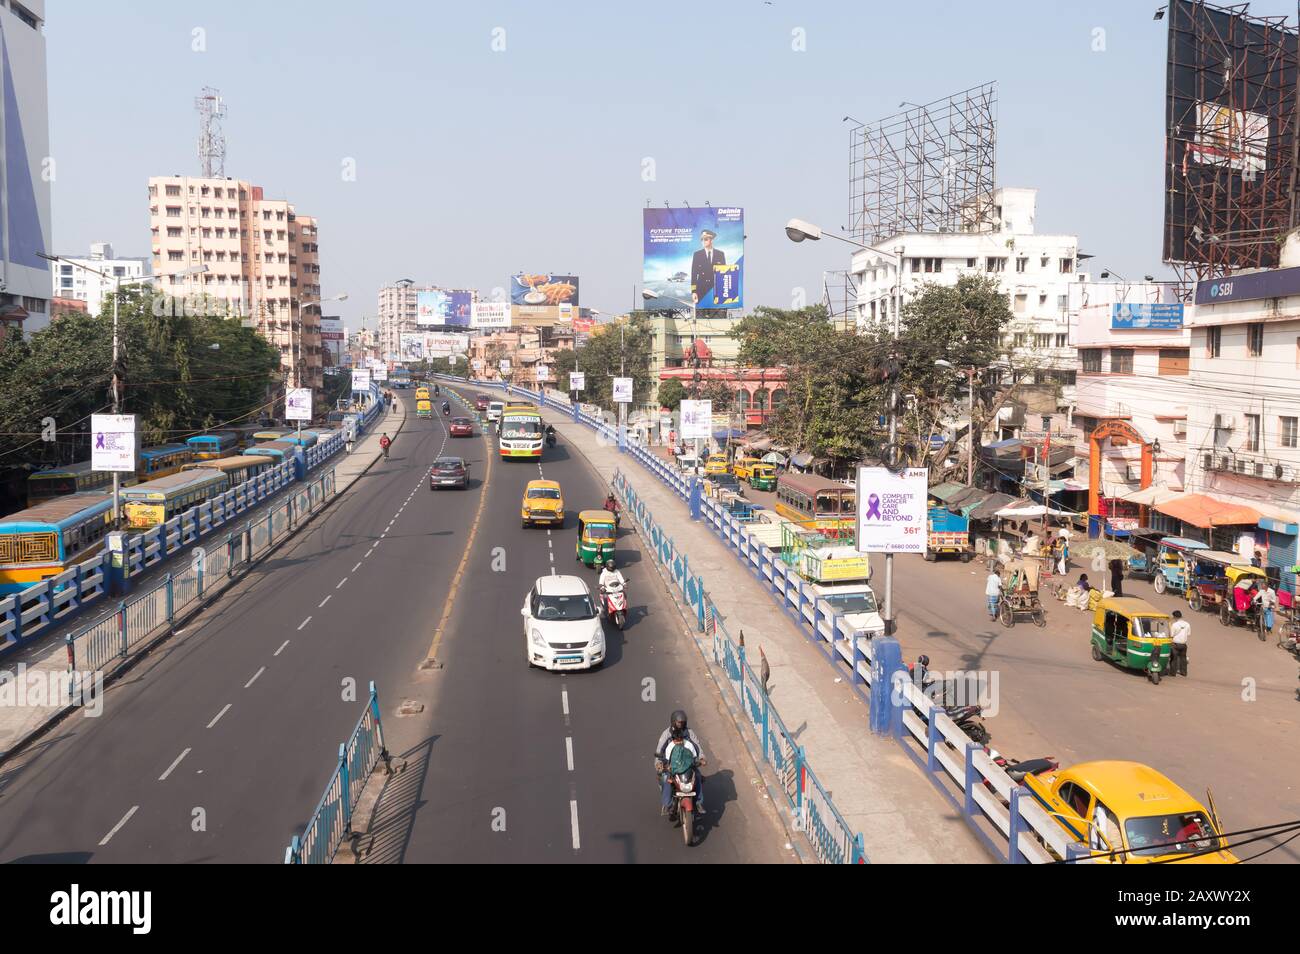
305 439
215 445
278 451
43 541
76 478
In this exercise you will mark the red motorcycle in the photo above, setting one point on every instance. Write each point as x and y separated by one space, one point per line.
614 605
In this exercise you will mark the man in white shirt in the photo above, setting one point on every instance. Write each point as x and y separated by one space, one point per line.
1181 630
993 590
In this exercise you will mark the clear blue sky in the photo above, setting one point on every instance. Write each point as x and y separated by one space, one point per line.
473 164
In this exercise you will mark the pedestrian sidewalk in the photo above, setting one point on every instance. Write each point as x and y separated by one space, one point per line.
24 713
874 785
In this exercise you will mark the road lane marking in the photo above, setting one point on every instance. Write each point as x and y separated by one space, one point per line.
464 559
118 827
254 679
282 645
358 566
324 601
219 715
573 823
568 751
300 626
163 776
564 700
340 583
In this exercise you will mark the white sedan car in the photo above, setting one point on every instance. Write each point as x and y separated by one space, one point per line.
562 627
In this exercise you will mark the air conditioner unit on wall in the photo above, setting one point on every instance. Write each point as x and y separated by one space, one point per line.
1209 462
1180 428
1224 422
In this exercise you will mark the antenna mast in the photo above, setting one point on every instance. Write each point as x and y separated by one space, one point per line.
212 142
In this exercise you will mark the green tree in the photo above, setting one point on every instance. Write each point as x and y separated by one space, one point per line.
670 394
607 350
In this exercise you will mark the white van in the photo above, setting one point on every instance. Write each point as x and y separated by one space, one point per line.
494 410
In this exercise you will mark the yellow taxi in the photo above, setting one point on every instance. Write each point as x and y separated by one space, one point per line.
743 466
716 464
1129 812
543 503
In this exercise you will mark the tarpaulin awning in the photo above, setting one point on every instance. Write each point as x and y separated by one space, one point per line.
1278 519
945 490
1008 444
802 459
967 498
774 458
988 508
1205 512
1025 513
1150 496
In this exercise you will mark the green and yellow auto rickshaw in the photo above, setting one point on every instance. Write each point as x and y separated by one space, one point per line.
762 477
596 533
1134 634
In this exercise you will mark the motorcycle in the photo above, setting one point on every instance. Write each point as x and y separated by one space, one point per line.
446 408
967 718
1017 770
614 603
682 810
550 438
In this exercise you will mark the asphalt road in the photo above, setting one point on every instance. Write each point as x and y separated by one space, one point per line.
218 745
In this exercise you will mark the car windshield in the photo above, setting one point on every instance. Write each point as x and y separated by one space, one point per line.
1169 834
521 429
852 603
460 420
543 493
447 465
600 531
578 606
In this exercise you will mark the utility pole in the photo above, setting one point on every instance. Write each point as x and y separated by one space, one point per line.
970 428
889 620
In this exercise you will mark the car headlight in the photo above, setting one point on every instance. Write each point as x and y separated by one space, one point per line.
537 639
598 638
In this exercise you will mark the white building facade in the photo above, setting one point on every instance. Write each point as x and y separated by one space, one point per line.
25 169
72 278
1035 271
397 314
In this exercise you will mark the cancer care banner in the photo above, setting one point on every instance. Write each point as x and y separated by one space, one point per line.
891 510
697 420
695 255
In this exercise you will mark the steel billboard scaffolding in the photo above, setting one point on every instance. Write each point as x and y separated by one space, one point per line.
928 169
1230 159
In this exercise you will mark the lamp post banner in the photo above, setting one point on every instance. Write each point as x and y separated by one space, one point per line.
891 510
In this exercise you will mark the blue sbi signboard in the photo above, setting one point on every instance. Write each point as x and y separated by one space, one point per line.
1146 315
1252 286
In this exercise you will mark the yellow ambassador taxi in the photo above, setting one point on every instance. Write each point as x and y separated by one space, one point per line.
1129 812
543 503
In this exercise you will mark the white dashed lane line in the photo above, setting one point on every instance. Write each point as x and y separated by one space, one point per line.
358 566
568 751
340 583
302 624
282 645
219 715
163 776
324 601
573 823
254 679
118 827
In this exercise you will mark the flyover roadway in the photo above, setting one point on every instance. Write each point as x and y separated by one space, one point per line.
216 747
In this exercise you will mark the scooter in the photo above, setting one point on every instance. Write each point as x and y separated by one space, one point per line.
682 810
614 603
966 718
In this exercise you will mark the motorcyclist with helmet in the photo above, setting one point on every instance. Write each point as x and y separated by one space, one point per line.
678 732
610 578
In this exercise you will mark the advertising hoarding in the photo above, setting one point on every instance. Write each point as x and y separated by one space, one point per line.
460 305
1146 315
360 379
476 364
112 442
891 510
431 308
444 344
504 365
379 373
532 288
1276 283
697 420
490 314
412 346
297 404
622 390
695 255
577 380
543 372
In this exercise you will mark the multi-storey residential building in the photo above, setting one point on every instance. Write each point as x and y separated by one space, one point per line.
1243 415
1132 369
397 314
24 178
262 261
74 278
1034 270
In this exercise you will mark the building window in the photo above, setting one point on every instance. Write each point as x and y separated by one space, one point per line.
1213 341
1042 262
1255 339
1062 303
994 264
1042 341
970 263
1173 361
1019 304
173 190
174 211
1067 265
1020 339
34 304
1062 340
1287 430
1021 263
1121 360
1252 432
175 256
173 231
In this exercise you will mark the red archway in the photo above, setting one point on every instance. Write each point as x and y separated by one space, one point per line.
1114 428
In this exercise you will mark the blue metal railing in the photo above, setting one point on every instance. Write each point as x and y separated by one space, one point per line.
331 822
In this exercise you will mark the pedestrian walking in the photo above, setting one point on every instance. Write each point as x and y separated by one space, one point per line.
1117 577
993 591
1181 630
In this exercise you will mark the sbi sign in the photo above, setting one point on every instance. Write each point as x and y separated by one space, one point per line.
1220 289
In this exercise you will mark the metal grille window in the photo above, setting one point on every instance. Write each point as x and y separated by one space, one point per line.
1090 360
1255 339
1252 432
1213 341
1121 360
1287 431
